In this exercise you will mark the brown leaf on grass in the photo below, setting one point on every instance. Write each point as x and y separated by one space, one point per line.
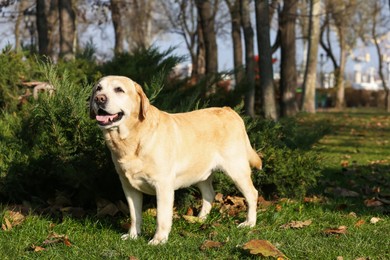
193 219
263 248
233 205
133 258
55 238
339 230
262 203
372 202
296 224
375 220
219 197
208 244
37 248
314 199
190 211
344 163
360 222
12 219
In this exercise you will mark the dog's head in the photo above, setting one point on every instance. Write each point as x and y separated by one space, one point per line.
115 98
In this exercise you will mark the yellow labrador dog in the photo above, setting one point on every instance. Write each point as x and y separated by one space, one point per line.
157 153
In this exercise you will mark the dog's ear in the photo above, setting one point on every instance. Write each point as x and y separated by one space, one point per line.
144 101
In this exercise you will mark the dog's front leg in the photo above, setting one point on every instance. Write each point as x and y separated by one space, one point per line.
134 199
165 196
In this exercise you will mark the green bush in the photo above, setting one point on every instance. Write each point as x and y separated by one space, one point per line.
14 68
52 146
142 65
290 168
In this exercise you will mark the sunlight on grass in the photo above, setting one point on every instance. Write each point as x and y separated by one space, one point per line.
357 172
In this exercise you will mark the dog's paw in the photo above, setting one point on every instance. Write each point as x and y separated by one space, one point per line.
129 236
247 224
158 241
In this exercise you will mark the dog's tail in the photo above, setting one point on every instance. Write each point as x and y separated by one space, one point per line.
254 159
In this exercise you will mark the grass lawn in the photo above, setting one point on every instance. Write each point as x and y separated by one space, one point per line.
354 190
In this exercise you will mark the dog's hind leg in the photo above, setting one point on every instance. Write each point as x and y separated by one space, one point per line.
208 194
240 173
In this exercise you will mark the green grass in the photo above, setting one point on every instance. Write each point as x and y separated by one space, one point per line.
357 157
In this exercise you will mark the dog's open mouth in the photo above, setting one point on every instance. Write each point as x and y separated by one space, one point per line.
103 118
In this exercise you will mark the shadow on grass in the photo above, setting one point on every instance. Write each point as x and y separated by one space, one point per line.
357 188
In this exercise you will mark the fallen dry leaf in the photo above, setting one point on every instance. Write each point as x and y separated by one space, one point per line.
193 219
375 220
55 238
263 248
219 197
296 224
360 222
278 208
344 163
12 219
339 230
208 244
37 248
372 203
190 212
151 212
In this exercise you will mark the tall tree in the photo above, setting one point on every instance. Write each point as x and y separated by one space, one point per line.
310 79
183 20
379 32
265 59
139 18
249 58
116 7
288 72
234 9
207 11
21 7
342 14
67 29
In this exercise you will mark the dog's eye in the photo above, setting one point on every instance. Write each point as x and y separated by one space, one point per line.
98 88
119 90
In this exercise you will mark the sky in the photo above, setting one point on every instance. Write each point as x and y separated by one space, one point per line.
103 38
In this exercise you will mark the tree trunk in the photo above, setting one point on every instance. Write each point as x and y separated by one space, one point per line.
43 37
339 72
310 80
207 16
67 29
234 8
200 54
265 59
288 73
21 7
53 31
118 28
249 59
374 36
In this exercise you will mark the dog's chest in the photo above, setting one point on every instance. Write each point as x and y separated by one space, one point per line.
133 171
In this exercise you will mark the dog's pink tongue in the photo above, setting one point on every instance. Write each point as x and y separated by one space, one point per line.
105 119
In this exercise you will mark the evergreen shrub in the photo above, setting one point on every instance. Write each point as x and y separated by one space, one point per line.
52 146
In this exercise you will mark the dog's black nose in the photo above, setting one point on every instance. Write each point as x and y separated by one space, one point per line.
101 99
